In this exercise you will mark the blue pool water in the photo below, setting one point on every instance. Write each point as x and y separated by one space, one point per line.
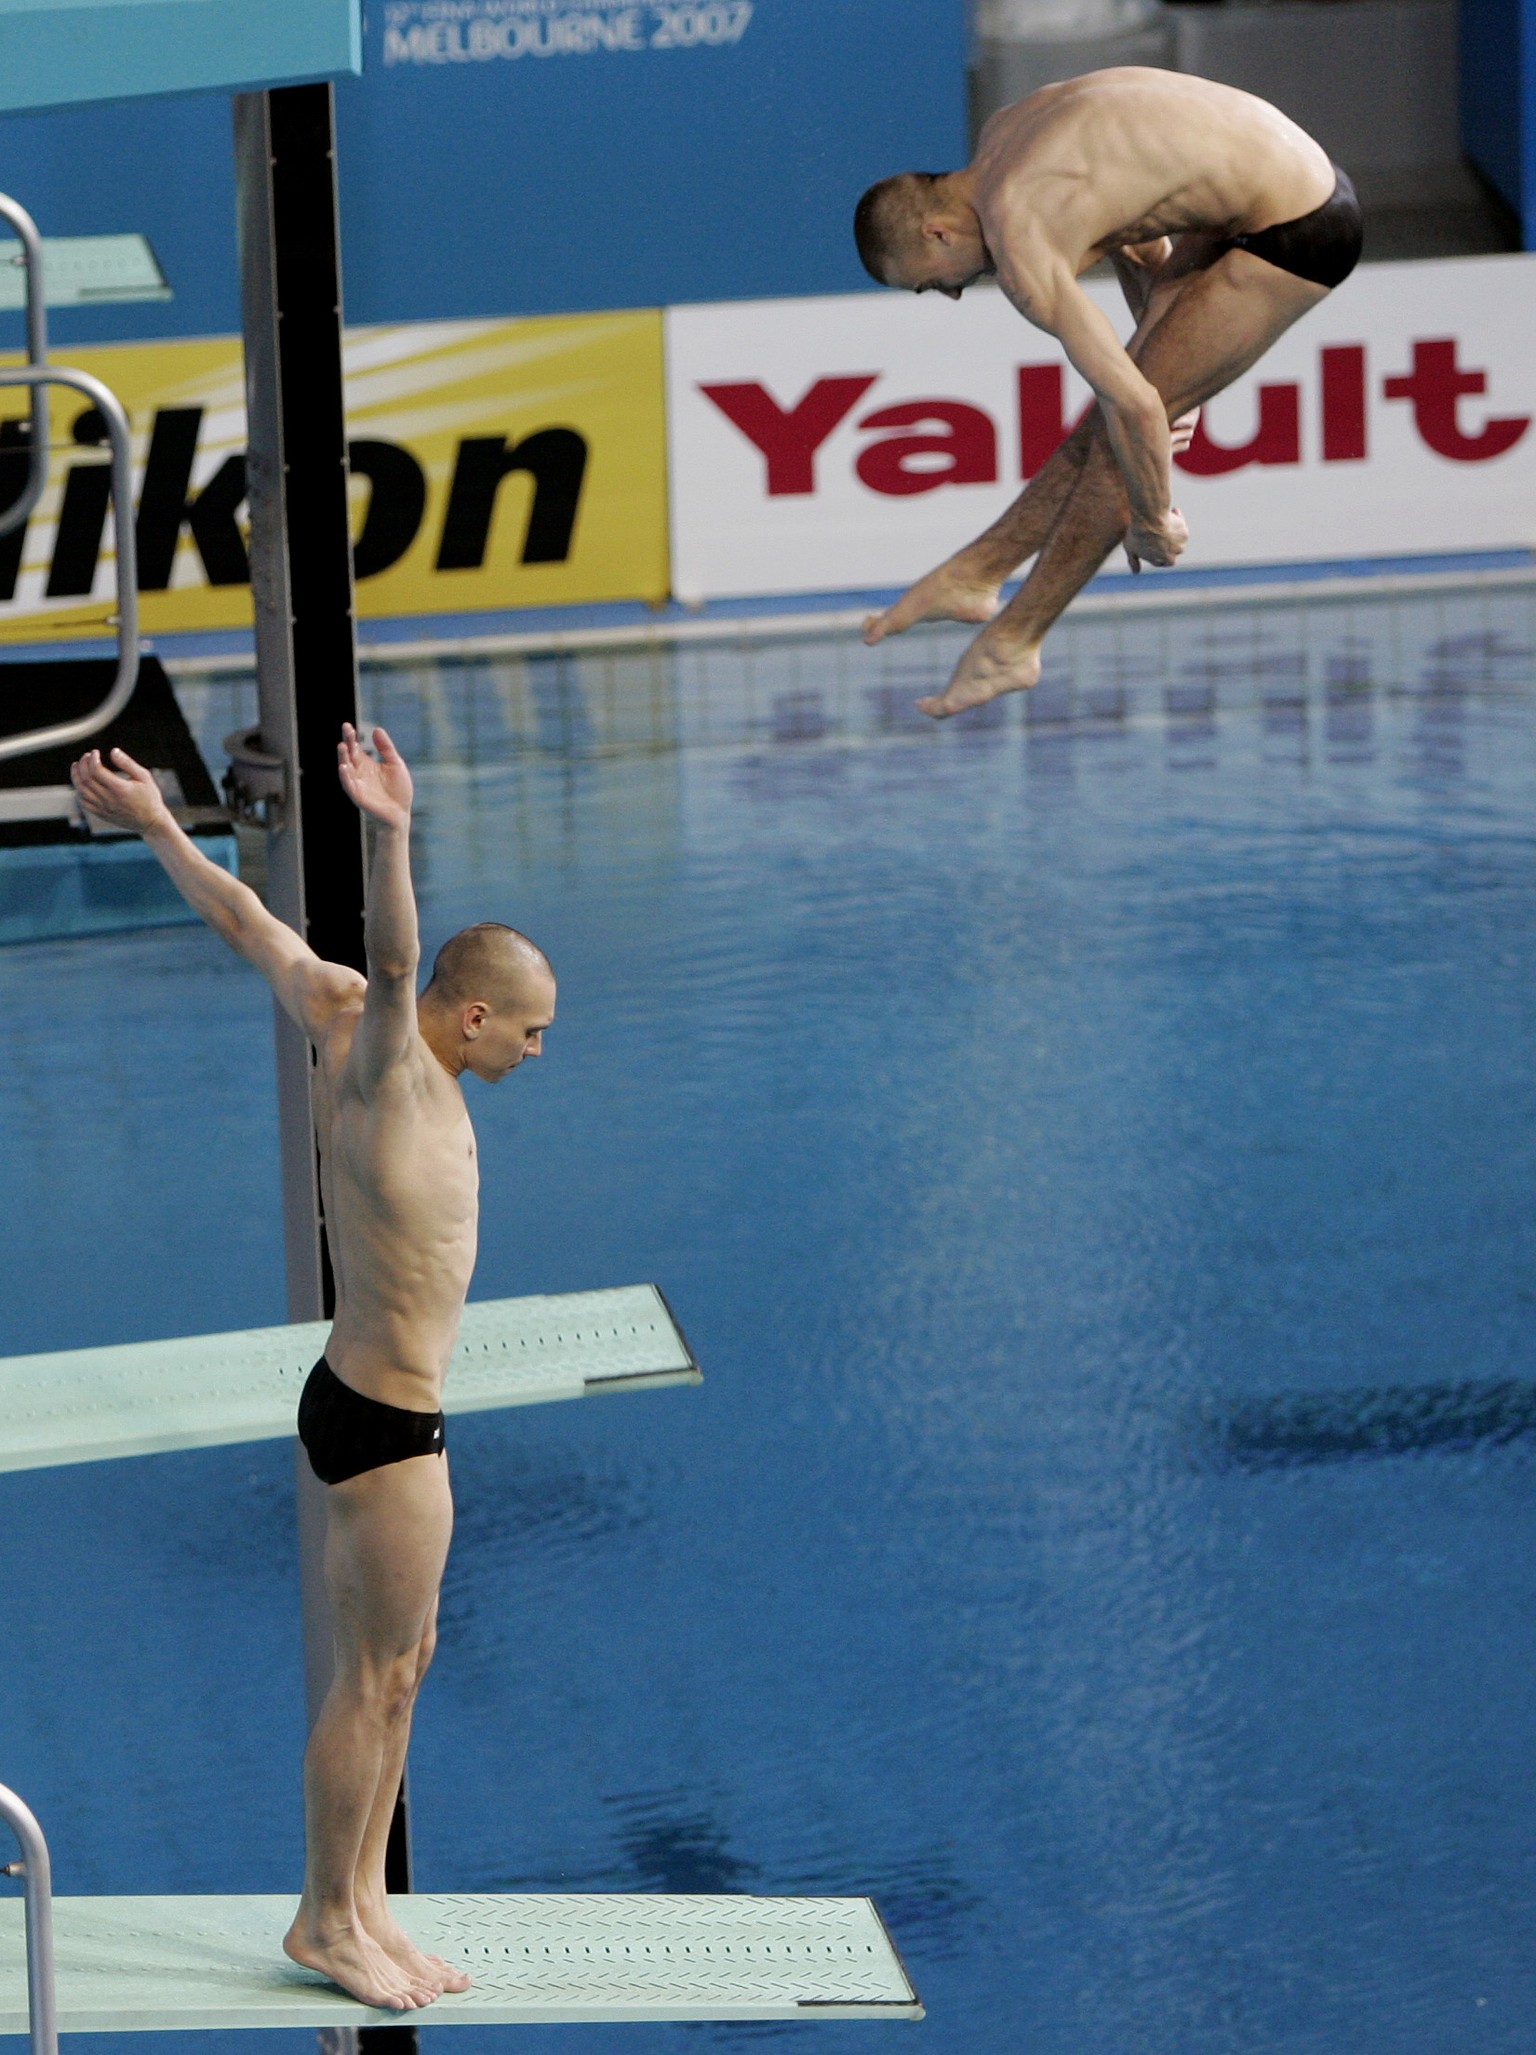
1091 1149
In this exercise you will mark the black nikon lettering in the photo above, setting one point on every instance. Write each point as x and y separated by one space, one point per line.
397 499
165 506
555 458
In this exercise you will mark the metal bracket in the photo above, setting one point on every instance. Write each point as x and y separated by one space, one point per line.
256 783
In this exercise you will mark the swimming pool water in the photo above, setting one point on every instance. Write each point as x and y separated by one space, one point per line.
1091 1150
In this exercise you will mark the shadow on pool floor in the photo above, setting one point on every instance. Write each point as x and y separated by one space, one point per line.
1287 1428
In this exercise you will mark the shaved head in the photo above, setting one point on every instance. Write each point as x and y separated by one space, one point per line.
889 219
489 962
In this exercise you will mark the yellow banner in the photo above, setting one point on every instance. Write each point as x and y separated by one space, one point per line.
494 464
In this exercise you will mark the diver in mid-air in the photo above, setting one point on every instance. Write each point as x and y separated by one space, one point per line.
1225 223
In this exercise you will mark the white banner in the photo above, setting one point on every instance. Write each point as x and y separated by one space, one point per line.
851 443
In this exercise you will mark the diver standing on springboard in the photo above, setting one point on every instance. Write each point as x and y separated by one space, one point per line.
401 1187
1224 222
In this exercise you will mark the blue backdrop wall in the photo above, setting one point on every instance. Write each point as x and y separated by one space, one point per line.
539 156
1498 100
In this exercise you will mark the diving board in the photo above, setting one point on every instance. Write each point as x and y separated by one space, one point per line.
62 53
126 1964
208 1390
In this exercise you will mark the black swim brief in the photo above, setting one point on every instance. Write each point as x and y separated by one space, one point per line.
1322 247
344 1433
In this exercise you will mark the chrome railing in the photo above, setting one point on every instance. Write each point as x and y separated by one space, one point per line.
39 374
36 1875
126 564
37 356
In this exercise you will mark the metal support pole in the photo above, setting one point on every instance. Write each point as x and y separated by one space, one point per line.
306 663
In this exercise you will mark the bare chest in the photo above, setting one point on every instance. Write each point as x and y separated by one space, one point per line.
404 1162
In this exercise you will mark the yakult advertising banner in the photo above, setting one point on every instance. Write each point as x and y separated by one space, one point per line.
854 442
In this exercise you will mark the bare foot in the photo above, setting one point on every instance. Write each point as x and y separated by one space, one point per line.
397 1944
985 672
946 594
364 1971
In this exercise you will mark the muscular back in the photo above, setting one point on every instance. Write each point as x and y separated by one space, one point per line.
1121 157
400 1179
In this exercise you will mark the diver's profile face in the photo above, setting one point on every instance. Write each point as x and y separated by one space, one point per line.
943 257
500 1040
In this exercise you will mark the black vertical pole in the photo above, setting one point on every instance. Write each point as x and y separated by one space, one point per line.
306 662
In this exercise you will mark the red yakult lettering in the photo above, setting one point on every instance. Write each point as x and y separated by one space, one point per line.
1276 440
789 439
918 445
968 445
1043 427
1342 367
1434 388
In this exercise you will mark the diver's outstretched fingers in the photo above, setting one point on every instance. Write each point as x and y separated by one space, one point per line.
1182 431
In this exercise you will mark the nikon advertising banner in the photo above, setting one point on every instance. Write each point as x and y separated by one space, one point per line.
494 464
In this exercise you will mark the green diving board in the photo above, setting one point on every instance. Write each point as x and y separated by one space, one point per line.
207 1390
214 1963
86 271
62 53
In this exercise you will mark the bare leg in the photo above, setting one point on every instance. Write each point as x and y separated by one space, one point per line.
386 1543
1092 522
369 1888
966 586
1220 322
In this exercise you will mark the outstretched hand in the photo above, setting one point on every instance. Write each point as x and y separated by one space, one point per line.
377 785
125 796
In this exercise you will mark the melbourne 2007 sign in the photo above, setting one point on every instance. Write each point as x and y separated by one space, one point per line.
827 445
481 31
494 464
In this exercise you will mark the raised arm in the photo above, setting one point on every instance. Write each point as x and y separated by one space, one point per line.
380 787
125 795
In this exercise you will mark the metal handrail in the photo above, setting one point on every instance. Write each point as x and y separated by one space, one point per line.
125 569
37 355
36 1873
